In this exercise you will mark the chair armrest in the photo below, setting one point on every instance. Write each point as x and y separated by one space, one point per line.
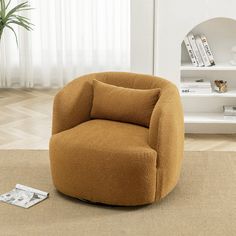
72 104
166 136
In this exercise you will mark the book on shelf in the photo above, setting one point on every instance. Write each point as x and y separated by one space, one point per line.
195 91
199 50
229 110
202 51
190 51
207 49
196 52
203 87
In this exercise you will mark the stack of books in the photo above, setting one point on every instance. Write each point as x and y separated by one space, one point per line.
199 50
202 87
229 110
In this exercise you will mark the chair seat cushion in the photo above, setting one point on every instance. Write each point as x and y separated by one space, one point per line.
105 161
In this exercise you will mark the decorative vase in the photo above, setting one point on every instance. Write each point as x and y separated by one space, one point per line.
220 86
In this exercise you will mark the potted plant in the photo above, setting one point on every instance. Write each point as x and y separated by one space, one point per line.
10 17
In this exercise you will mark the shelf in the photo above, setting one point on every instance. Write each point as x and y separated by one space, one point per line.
229 94
217 67
208 118
204 111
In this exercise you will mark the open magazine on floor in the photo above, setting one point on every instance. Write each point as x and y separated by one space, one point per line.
23 196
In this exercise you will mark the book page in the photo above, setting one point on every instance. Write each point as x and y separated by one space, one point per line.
21 196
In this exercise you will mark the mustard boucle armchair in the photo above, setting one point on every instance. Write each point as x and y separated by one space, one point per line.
114 162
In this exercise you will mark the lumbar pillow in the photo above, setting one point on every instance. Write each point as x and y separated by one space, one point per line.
123 104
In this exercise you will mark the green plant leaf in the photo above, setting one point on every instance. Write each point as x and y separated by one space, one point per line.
9 2
3 8
14 33
21 6
24 20
7 19
20 24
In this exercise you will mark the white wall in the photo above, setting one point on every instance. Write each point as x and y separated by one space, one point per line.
174 19
142 33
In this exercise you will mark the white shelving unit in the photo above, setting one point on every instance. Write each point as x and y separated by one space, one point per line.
230 94
218 67
208 118
204 112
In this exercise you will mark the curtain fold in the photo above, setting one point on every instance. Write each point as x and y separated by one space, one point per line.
70 38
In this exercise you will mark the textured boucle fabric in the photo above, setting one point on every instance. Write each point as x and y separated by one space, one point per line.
123 104
108 162
113 162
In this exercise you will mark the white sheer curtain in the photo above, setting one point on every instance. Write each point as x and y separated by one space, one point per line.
70 38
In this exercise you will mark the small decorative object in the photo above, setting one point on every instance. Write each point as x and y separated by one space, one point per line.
233 51
220 86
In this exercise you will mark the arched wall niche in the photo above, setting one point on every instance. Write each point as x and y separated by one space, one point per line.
174 19
204 112
221 35
215 19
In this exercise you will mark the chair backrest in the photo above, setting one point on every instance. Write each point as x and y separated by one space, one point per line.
131 80
73 104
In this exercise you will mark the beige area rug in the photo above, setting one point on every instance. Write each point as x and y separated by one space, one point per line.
203 203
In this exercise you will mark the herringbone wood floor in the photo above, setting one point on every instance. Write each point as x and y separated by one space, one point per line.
25 123
25 118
